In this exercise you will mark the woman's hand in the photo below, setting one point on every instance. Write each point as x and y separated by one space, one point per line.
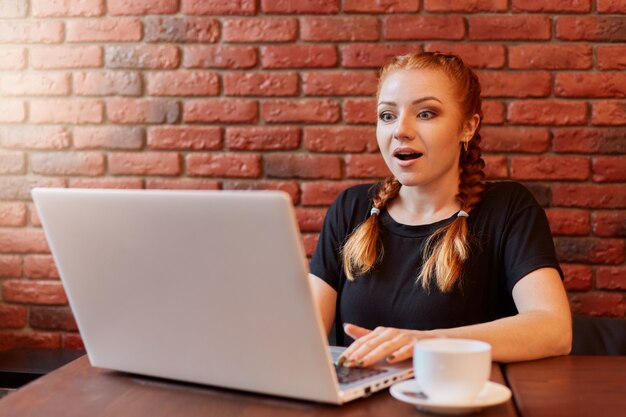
371 346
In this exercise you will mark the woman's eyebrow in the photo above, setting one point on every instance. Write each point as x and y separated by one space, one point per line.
419 100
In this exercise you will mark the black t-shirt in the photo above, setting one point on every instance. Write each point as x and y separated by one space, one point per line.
509 236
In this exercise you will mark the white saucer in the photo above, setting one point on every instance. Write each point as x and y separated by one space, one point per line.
409 392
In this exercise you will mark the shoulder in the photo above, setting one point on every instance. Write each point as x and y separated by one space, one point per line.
357 195
509 194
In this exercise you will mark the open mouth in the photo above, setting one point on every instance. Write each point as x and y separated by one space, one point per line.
407 156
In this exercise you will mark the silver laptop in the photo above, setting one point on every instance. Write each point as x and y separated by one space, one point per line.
207 287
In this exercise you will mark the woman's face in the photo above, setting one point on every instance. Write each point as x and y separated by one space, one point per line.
420 127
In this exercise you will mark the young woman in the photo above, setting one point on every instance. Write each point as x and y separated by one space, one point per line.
433 251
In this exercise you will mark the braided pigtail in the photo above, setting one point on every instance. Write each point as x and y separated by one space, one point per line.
447 249
362 249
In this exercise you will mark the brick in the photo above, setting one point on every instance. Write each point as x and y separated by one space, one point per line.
12 111
34 137
339 83
610 6
10 9
262 138
423 27
103 30
526 27
359 111
140 110
366 166
515 139
361 28
18 188
224 165
181 184
302 166
609 168
75 111
590 250
591 28
609 223
13 58
220 111
35 221
300 111
108 137
297 56
63 8
141 7
310 219
142 56
585 84
52 318
590 140
219 7
185 137
31 31
40 267
181 29
377 6
611 278
260 30
543 168
35 84
144 163
12 163
211 56
114 183
56 57
340 139
34 292
108 83
12 214
372 55
74 163
474 55
515 83
610 57
555 6
289 187
323 193
299 7
598 304
547 112
12 316
493 112
72 341
309 241
540 56
261 83
495 167
179 83
471 6
604 196
20 339
10 266
569 222
608 112
577 277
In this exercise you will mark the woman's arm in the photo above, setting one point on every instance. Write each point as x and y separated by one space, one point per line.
542 328
325 298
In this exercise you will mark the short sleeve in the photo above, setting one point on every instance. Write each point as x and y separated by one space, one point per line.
527 240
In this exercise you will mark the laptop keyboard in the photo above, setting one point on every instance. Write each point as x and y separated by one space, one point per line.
347 375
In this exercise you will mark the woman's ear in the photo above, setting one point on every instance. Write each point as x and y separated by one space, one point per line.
470 126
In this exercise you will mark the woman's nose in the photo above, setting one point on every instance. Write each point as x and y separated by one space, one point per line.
405 129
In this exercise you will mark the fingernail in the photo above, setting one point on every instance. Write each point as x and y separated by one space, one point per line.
341 360
391 357
359 364
349 364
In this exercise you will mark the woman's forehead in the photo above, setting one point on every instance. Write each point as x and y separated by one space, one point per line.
414 84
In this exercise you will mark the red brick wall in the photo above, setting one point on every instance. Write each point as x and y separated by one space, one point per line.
277 94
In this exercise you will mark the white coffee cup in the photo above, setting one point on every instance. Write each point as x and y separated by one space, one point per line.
451 371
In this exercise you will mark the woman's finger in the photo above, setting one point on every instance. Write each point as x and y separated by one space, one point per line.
403 353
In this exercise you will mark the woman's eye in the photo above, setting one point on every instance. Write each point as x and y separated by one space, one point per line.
425 115
385 116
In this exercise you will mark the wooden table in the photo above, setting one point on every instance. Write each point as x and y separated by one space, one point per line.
77 389
569 386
